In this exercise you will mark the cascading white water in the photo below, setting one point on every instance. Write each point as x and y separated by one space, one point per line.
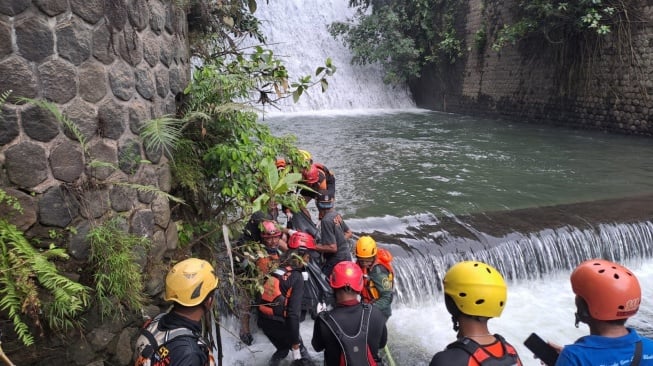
296 30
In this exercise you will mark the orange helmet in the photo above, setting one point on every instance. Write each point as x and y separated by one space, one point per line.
269 229
301 240
347 273
280 163
610 290
311 174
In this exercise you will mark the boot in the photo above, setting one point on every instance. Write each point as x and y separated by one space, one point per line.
279 355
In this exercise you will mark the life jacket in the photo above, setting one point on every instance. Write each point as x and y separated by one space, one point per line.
267 262
326 180
352 346
484 357
151 347
383 258
273 303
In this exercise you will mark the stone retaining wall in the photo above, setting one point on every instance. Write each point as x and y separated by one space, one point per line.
522 83
109 66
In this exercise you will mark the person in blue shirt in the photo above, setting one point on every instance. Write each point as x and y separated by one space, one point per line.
607 294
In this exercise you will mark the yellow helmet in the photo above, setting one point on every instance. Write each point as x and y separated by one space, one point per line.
190 281
476 288
306 155
365 247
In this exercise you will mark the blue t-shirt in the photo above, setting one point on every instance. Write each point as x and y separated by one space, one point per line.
593 350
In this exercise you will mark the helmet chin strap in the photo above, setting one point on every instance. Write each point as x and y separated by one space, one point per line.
456 325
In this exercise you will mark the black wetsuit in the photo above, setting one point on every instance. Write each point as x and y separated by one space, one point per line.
284 333
348 316
184 350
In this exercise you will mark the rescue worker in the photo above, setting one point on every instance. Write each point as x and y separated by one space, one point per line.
190 285
378 274
352 332
274 245
334 234
280 304
607 295
475 292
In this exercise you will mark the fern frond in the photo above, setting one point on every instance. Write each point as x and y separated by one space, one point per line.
162 134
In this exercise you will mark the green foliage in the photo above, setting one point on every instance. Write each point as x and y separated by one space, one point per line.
402 36
31 286
118 279
564 21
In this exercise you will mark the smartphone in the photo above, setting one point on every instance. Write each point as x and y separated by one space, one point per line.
542 350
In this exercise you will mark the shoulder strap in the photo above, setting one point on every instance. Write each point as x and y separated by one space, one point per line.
638 354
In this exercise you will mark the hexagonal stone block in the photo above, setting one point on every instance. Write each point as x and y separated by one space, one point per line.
26 164
89 10
67 162
129 156
92 81
145 85
34 39
111 118
57 207
73 42
102 46
115 12
157 16
105 153
84 117
58 80
151 48
13 7
121 79
39 124
52 7
138 13
23 220
17 76
129 46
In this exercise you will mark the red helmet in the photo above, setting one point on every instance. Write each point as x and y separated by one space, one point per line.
311 174
610 290
301 240
270 229
280 163
347 273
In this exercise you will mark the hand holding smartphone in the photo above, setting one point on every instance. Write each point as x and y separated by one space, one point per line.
541 349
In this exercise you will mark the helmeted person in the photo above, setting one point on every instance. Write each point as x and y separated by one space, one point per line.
378 274
475 292
334 236
352 333
317 176
607 295
265 261
280 304
190 285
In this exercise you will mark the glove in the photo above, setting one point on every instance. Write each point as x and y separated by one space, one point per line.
296 354
321 307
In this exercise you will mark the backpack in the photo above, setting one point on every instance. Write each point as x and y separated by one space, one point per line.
485 358
151 347
351 346
273 302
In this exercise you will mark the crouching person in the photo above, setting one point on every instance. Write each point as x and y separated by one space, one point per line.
280 305
352 333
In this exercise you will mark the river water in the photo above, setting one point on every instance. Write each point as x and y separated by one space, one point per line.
435 188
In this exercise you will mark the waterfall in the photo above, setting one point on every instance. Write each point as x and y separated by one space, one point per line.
296 31
527 256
